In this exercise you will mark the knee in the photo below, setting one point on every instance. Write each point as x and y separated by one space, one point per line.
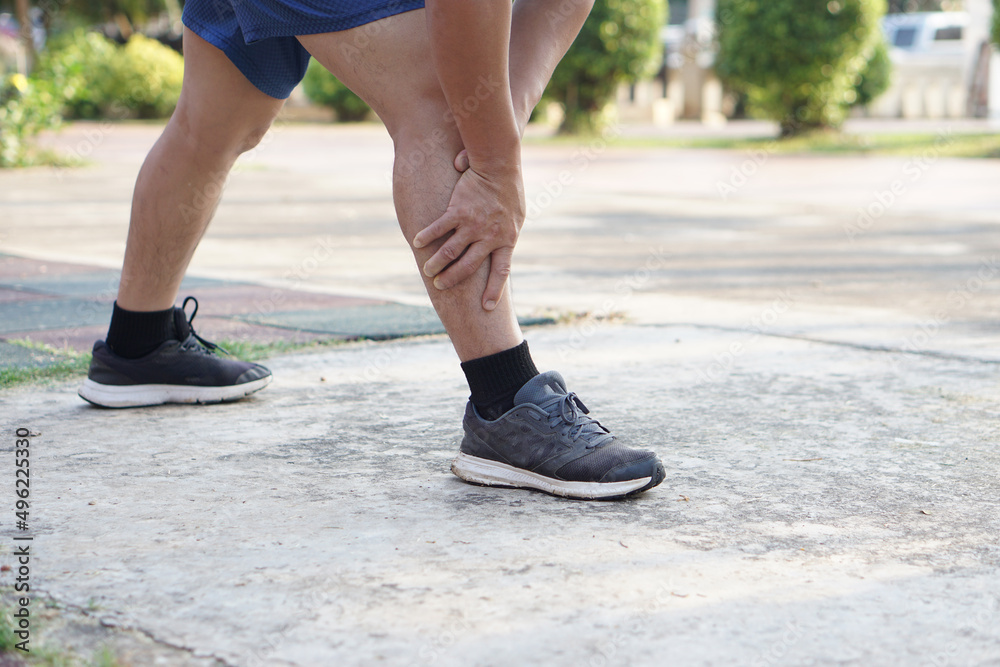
425 133
419 149
252 136
232 136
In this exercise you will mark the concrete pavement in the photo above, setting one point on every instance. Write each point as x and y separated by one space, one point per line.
824 396
823 506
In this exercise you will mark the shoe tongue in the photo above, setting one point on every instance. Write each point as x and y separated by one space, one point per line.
541 388
181 327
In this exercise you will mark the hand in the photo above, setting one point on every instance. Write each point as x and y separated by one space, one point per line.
483 219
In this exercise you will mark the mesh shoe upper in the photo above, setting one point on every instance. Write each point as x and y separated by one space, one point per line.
549 432
191 361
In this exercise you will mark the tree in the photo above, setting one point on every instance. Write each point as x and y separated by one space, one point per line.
875 77
619 43
23 11
124 13
798 61
996 22
324 88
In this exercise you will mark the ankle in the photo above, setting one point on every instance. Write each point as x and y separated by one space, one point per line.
133 334
494 380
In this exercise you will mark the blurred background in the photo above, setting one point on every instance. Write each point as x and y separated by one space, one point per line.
694 161
764 233
801 65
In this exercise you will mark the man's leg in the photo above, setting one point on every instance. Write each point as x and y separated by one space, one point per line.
150 356
544 438
394 74
219 115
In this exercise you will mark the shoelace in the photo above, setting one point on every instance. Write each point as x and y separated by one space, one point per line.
572 414
209 346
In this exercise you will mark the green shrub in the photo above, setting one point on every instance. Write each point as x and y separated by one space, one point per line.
101 80
324 88
26 108
798 61
79 67
619 43
146 79
875 77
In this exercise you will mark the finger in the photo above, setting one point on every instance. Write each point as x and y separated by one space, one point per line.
462 161
500 263
445 255
458 272
436 230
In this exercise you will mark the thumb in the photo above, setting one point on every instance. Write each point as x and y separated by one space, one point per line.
462 161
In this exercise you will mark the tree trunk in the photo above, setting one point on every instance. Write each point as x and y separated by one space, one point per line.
27 39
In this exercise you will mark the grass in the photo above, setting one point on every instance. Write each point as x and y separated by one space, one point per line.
972 145
7 638
44 655
45 157
73 365
69 364
254 351
105 657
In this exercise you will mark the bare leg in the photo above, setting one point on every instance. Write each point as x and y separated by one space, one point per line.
220 115
387 63
391 70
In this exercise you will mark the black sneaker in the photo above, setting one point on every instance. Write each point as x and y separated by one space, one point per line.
547 442
185 370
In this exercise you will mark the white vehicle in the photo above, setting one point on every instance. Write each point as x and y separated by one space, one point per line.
929 38
930 54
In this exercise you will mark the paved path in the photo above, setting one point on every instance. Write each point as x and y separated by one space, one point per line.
824 505
67 306
824 397
655 234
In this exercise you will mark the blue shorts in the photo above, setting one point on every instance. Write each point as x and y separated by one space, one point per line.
258 36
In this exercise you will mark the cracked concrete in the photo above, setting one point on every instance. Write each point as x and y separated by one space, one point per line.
825 405
823 506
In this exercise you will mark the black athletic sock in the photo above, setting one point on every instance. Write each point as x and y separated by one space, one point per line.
494 380
135 334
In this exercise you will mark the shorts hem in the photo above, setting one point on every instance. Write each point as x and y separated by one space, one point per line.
228 46
339 24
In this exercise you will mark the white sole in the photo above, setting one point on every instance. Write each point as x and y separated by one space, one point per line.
493 473
136 396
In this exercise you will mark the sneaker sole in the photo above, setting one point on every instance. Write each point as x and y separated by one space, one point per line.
144 395
493 473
